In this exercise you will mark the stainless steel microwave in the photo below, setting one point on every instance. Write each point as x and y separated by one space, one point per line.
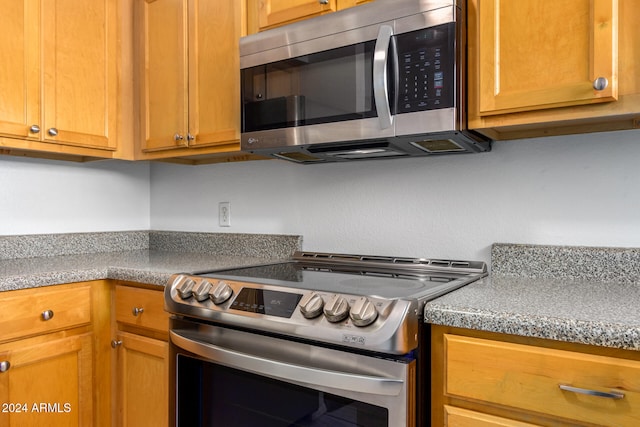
381 80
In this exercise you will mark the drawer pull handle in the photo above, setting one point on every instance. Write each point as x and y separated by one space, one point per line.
47 315
4 366
608 395
137 310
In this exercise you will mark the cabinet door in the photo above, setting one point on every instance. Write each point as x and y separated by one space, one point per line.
20 68
214 79
142 381
47 384
534 54
163 61
79 64
272 13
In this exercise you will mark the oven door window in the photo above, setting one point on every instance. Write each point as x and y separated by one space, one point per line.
214 395
330 86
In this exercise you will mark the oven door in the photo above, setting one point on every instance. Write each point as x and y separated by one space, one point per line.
226 377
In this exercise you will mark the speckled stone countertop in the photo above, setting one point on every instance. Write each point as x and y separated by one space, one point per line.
143 257
574 294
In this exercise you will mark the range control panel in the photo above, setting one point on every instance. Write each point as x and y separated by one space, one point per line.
352 320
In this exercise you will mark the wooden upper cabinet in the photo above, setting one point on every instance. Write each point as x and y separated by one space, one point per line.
532 66
165 84
79 72
273 13
265 14
59 77
189 68
536 54
214 72
19 76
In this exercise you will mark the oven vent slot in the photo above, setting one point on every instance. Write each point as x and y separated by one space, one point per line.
391 263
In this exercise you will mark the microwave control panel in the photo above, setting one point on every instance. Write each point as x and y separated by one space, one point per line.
426 68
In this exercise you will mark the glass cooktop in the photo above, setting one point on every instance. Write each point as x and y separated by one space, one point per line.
352 280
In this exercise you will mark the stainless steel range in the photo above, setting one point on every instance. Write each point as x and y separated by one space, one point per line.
322 339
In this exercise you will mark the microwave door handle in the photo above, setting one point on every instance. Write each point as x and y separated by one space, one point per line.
380 77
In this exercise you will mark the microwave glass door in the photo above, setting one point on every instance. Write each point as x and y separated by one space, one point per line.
329 86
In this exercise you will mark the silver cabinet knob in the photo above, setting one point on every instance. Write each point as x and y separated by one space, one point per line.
363 312
190 137
34 129
137 310
177 137
4 366
47 315
116 343
311 305
323 1
336 309
600 83
221 293
53 132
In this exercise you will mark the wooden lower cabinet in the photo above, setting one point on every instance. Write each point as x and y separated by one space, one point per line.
142 381
84 354
141 353
46 357
483 379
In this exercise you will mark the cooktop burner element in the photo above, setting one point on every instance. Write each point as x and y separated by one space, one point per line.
367 302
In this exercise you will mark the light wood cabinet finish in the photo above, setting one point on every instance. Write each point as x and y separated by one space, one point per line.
59 76
20 76
532 65
457 417
266 14
535 54
26 312
142 365
519 379
141 353
47 376
142 308
189 92
50 380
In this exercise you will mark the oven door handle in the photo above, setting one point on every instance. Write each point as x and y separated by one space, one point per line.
289 372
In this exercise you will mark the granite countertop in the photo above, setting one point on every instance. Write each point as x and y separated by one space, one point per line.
142 266
580 295
149 257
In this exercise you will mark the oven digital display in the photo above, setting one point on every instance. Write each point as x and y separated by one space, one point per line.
263 301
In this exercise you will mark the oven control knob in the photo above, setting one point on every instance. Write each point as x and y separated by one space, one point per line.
220 293
311 305
363 312
201 290
336 309
185 288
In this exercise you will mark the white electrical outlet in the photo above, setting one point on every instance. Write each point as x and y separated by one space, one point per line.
224 214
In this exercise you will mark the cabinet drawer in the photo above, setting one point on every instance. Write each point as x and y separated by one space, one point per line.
40 310
141 307
529 378
458 417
